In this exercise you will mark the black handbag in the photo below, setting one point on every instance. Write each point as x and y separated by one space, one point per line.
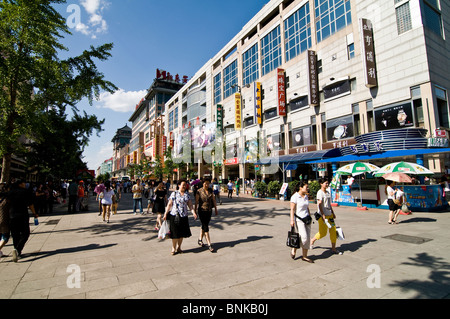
317 215
293 239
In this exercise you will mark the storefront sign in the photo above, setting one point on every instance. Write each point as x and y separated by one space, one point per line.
441 133
281 84
298 103
313 78
368 53
301 150
219 118
394 117
231 161
338 144
238 112
258 102
336 89
438 142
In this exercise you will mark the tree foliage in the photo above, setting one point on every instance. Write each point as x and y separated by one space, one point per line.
34 80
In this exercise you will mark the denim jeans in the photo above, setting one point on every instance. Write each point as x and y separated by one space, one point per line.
136 202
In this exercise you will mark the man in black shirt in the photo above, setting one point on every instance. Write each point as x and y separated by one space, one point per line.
20 200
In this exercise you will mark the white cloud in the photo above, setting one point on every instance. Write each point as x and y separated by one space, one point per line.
121 101
96 23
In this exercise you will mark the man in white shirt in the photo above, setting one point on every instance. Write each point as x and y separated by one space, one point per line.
137 196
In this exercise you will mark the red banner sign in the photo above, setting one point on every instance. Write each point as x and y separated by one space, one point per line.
281 84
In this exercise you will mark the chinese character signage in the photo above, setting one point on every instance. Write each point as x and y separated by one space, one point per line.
219 117
281 84
258 103
368 53
238 121
313 78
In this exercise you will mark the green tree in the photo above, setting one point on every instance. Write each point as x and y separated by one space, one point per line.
33 79
59 151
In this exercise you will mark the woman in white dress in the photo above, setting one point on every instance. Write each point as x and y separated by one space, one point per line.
300 217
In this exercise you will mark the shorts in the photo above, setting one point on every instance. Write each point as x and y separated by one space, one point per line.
392 206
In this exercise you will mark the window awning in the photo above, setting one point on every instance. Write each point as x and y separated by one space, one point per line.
381 155
299 158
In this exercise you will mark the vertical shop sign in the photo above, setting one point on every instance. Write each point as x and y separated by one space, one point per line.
313 78
219 118
258 103
238 121
368 48
281 84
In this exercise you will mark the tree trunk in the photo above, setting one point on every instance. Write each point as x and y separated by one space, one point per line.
6 168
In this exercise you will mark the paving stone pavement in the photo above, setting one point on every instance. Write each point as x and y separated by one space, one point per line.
125 259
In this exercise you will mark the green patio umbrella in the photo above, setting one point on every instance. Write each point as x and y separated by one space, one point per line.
404 167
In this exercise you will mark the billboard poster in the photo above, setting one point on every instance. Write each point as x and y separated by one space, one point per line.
281 84
394 117
301 136
340 128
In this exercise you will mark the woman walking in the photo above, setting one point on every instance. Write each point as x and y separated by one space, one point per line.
107 201
327 216
204 203
116 199
300 217
159 204
178 205
393 207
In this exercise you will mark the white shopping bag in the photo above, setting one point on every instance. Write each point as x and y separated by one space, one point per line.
340 233
164 230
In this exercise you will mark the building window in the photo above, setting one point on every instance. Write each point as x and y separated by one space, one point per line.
331 16
432 16
297 32
250 65
442 105
403 15
271 51
171 121
175 117
217 88
351 51
230 77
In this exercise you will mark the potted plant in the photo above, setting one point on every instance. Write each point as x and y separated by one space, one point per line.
274 189
261 189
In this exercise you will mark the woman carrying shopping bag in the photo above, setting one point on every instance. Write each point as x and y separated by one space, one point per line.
300 217
326 221
177 213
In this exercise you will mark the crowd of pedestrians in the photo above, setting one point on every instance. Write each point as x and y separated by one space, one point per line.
172 207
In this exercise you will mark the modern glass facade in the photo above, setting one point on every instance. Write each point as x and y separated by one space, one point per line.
297 32
250 65
331 16
271 51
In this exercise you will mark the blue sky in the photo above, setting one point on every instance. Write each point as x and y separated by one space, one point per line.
178 36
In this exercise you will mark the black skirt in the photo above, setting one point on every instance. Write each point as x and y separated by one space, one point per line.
180 229
159 207
392 206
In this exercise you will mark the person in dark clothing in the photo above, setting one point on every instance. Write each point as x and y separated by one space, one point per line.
20 200
73 197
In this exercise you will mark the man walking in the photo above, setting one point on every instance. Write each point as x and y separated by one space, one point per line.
20 200
137 196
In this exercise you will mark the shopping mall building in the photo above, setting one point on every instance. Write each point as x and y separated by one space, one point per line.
307 85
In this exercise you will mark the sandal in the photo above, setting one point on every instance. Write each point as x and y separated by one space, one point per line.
307 260
179 251
211 249
200 243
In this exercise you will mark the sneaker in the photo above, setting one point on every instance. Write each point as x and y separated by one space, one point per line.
15 255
